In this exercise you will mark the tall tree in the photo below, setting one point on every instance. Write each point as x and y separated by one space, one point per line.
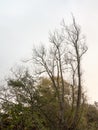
66 50
76 41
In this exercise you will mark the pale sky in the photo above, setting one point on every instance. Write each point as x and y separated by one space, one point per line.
24 23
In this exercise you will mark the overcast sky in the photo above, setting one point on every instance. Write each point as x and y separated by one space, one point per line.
24 23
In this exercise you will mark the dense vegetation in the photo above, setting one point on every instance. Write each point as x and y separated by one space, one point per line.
52 97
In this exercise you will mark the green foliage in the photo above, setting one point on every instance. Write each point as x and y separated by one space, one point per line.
35 107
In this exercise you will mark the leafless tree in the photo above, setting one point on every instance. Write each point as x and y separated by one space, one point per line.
66 51
76 43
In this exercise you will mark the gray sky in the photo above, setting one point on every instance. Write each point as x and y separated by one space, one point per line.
24 23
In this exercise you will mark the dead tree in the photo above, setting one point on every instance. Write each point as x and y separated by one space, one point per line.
65 44
77 48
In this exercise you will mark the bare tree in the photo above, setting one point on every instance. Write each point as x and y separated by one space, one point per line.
66 51
76 43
